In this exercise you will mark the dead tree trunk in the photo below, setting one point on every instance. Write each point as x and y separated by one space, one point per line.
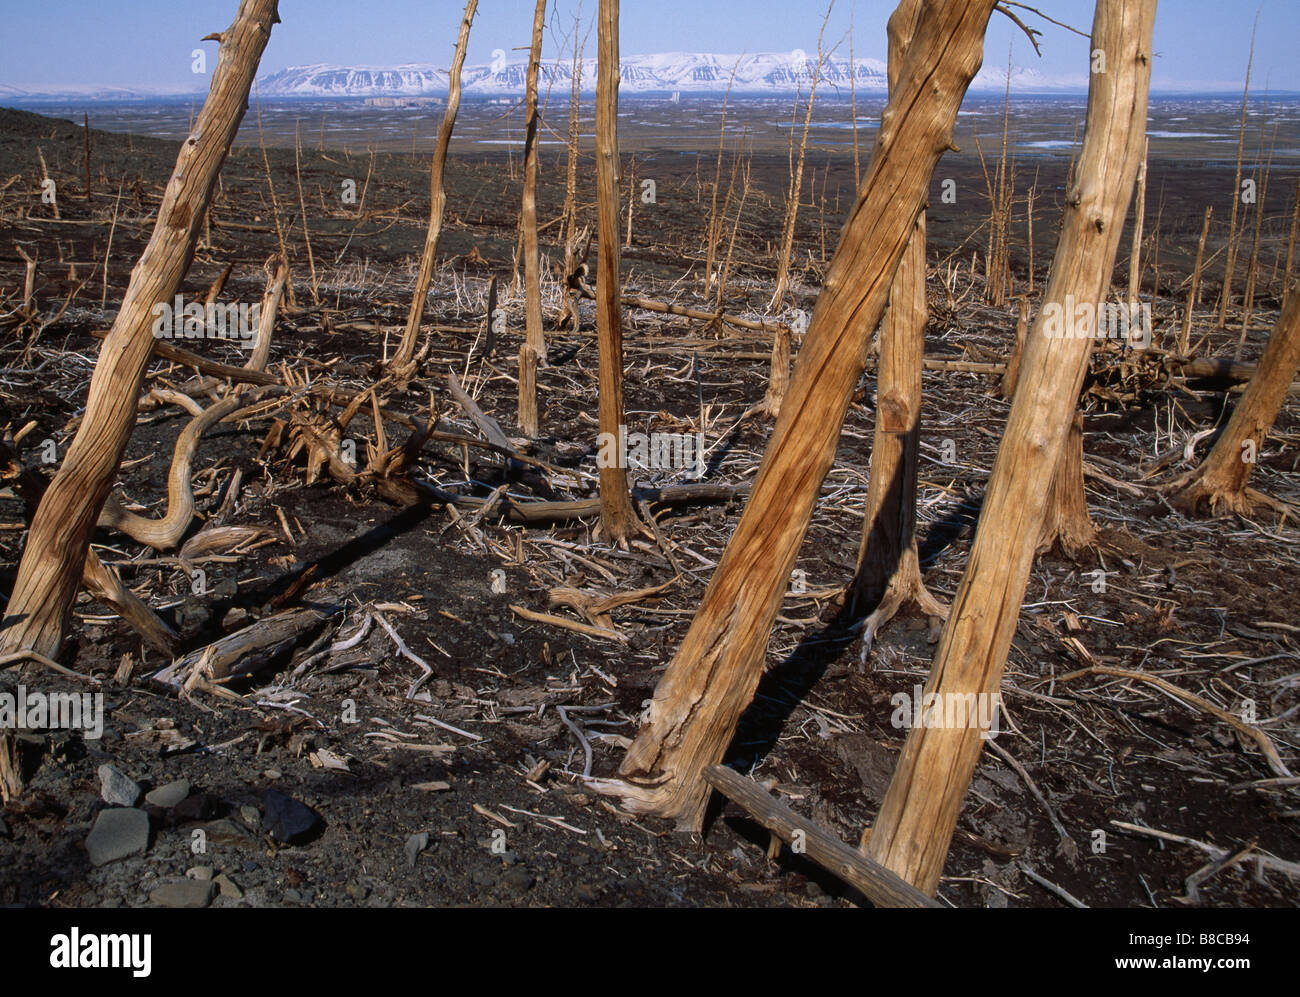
52 564
404 357
920 809
889 568
713 676
616 517
1066 523
1220 482
533 350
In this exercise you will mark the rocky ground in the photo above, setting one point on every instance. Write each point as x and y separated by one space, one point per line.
341 774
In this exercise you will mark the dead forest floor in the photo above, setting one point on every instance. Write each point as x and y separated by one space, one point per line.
1210 606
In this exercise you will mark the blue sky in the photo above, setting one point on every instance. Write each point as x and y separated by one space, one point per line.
148 42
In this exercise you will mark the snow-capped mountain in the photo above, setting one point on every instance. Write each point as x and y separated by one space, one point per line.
685 72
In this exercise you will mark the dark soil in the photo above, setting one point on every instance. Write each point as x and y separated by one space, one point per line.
1209 605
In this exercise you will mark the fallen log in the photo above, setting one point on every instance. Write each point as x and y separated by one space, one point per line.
245 651
882 887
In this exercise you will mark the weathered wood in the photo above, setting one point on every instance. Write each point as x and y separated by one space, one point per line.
1220 481
875 882
533 350
245 651
712 678
53 560
617 519
888 573
438 198
919 812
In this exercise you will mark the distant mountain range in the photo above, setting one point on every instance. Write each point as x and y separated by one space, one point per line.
666 72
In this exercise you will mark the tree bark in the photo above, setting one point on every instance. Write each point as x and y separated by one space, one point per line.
53 560
889 569
533 350
616 517
919 813
437 197
1066 524
713 676
1220 481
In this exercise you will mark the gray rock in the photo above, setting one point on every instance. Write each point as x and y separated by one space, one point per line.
183 893
203 873
116 788
169 795
117 833
228 887
251 815
415 844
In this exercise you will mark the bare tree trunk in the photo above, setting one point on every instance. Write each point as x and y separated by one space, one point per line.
1011 374
1220 481
889 568
920 809
616 517
52 564
405 354
1066 523
533 350
713 676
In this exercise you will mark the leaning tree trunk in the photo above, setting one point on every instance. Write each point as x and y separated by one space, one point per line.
533 349
404 357
37 615
713 676
616 517
1220 481
919 813
889 568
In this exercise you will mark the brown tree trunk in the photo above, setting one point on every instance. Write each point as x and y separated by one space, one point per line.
889 568
616 517
53 560
920 809
713 676
1220 482
1067 524
437 196
1011 375
533 349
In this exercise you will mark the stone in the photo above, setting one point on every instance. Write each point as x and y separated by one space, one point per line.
415 844
203 873
200 806
289 821
116 788
169 795
117 833
183 893
228 887
251 815
227 832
